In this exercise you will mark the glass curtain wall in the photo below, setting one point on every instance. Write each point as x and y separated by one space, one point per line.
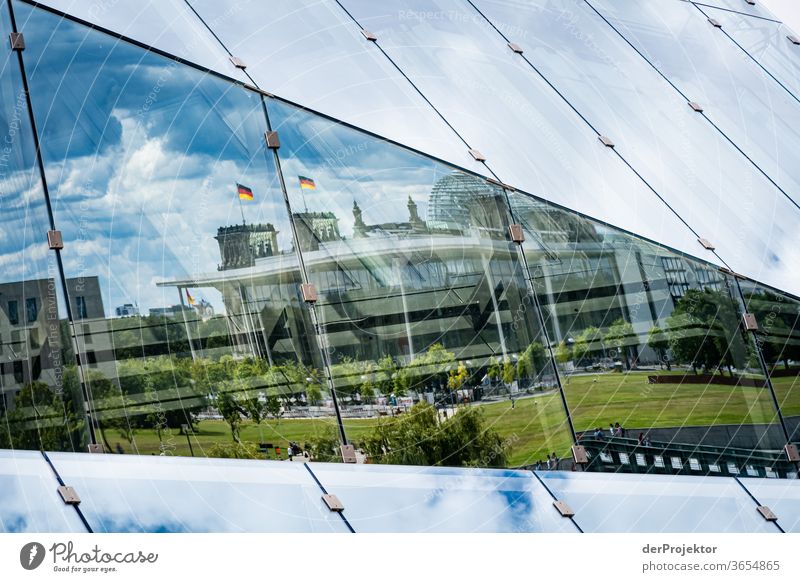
778 319
690 164
645 339
175 230
40 399
741 99
422 296
182 265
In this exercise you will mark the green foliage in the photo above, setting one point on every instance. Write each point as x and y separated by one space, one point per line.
324 445
273 407
313 395
458 377
235 450
418 438
532 361
232 412
589 344
43 419
509 371
563 353
255 408
494 371
704 331
621 337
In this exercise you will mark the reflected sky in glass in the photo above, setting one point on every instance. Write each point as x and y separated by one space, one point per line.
625 503
381 498
29 500
782 496
178 494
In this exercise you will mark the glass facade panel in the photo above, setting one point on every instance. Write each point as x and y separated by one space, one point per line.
782 497
29 502
740 98
778 335
174 495
646 340
423 297
167 25
702 177
177 242
767 42
417 499
755 9
656 503
40 405
531 138
311 52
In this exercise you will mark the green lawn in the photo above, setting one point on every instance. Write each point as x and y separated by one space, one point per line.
535 426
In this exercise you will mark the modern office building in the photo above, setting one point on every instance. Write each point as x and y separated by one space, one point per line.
566 214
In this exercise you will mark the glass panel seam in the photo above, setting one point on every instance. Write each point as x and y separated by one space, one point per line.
591 126
763 363
325 492
61 482
688 99
417 89
91 422
304 275
745 51
734 11
756 501
129 40
542 324
546 488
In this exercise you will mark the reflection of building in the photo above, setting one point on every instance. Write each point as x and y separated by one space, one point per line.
173 311
127 310
316 227
240 245
31 344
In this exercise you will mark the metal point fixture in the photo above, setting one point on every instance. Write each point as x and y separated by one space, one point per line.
309 292
501 184
563 509
767 513
714 22
477 155
273 141
792 453
515 47
69 495
696 106
751 2
348 453
706 244
54 240
750 323
237 62
96 449
579 454
333 502
369 35
793 38
606 142
516 233
17 41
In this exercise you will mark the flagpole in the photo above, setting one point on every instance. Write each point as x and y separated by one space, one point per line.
241 208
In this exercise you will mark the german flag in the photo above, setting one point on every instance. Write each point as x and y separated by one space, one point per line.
245 193
190 299
307 183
